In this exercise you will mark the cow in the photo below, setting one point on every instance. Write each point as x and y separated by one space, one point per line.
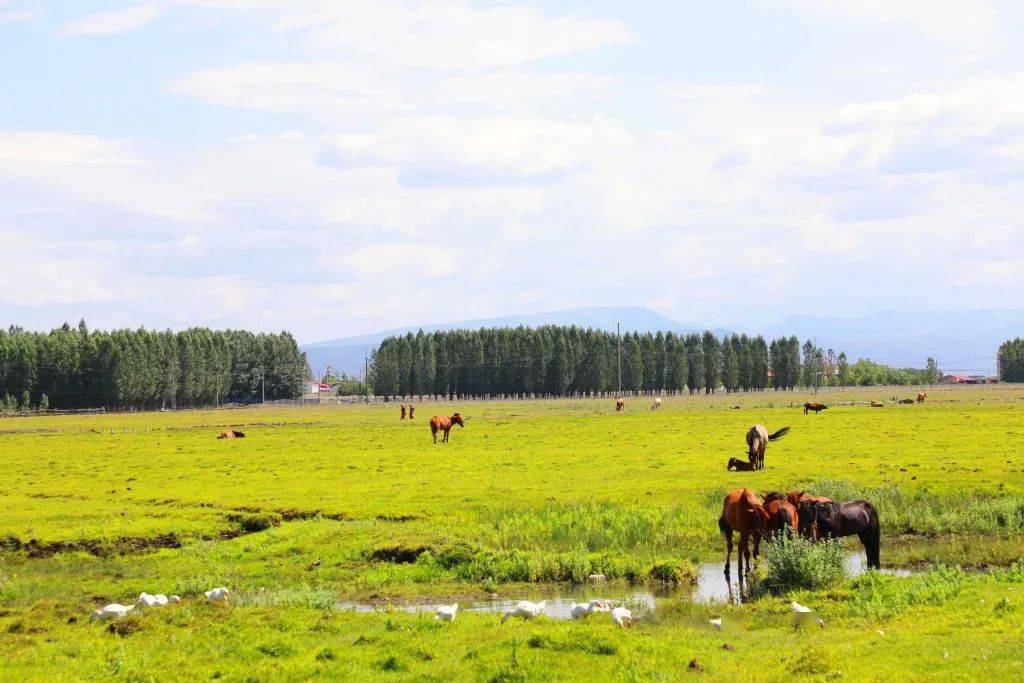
816 407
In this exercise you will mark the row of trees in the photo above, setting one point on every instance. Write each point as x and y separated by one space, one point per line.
1010 359
74 367
560 361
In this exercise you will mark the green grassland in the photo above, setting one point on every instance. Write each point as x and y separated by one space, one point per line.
325 504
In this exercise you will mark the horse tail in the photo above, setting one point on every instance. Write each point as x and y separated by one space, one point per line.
723 525
786 522
779 434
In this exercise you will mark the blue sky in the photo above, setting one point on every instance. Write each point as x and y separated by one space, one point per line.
337 167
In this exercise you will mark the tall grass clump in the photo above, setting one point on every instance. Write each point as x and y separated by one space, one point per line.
798 564
879 596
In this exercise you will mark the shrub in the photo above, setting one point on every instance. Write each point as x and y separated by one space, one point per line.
251 522
672 573
798 564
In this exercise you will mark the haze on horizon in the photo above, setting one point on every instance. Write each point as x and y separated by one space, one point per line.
337 168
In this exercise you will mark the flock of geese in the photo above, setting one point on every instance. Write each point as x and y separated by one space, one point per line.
146 601
524 609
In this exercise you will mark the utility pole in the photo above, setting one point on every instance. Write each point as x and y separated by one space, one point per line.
618 353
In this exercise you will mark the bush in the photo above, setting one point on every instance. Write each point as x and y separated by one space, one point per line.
251 522
673 574
798 564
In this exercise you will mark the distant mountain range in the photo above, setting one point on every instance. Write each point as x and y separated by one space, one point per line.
961 341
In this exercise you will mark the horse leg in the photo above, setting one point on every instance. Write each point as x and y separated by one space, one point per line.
727 532
744 552
869 538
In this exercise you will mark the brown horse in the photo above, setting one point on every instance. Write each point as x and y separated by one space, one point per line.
757 441
620 403
412 411
444 424
816 407
877 404
782 514
796 499
403 412
921 396
742 512
231 434
739 465
835 520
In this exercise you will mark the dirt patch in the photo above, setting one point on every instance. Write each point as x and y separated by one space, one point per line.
125 545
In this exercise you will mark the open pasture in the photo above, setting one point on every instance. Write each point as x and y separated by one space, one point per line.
320 505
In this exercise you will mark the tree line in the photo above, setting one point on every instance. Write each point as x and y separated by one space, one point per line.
74 368
1010 360
569 360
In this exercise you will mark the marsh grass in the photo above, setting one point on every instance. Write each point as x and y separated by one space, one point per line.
797 564
880 596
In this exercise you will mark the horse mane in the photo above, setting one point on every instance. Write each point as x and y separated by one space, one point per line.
773 495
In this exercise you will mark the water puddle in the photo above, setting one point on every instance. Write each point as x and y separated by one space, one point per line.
712 586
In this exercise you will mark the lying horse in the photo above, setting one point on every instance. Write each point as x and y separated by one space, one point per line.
742 512
816 407
757 441
782 514
231 434
620 403
438 424
739 465
877 404
836 520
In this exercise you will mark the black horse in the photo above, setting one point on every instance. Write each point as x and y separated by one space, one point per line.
835 520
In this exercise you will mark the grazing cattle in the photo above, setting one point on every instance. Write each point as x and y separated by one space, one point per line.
656 403
921 396
412 411
739 465
757 441
816 407
907 401
836 520
742 512
782 514
403 412
444 424
877 404
620 403
231 434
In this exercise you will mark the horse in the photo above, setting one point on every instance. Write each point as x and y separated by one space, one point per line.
742 512
620 403
907 401
836 520
877 404
656 403
796 498
816 407
403 412
438 424
739 465
231 434
921 396
412 411
757 441
782 514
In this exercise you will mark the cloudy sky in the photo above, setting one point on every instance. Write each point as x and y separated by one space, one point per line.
342 166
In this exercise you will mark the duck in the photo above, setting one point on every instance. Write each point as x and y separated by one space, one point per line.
216 594
622 616
446 612
524 609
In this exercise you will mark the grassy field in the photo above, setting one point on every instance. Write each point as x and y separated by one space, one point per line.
320 505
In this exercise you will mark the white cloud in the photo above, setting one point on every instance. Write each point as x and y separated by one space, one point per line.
118 21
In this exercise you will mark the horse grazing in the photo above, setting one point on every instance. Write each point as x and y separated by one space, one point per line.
816 407
444 424
412 411
620 403
836 520
757 441
403 412
742 512
231 434
656 403
921 396
782 514
739 465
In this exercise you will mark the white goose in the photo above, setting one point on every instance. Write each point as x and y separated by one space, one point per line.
111 611
717 623
578 611
622 616
803 614
600 606
446 612
217 594
524 609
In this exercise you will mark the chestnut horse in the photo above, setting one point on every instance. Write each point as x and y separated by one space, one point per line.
444 424
757 441
836 520
412 411
620 403
796 499
403 412
782 514
742 512
921 396
816 407
739 465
